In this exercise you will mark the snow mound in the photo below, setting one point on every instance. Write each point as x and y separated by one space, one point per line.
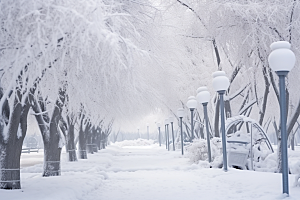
137 142
197 151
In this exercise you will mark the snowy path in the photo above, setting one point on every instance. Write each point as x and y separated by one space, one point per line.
146 173
149 173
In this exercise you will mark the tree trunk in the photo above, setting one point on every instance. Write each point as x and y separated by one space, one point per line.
265 98
98 138
279 156
228 114
94 139
10 166
293 140
71 143
52 152
227 108
89 144
10 152
201 130
11 147
293 119
64 128
82 140
103 140
52 147
50 132
100 144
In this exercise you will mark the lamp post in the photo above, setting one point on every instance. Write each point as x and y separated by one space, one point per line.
159 136
171 120
203 97
138 129
148 130
167 134
220 85
192 104
282 60
180 114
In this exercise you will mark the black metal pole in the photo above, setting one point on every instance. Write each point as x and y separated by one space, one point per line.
173 136
181 135
207 131
284 154
166 136
159 137
192 123
221 93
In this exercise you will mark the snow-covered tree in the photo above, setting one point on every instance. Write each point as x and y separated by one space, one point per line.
77 51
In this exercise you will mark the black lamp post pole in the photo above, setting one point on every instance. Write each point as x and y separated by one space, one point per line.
192 123
159 137
207 131
181 132
173 139
221 93
284 154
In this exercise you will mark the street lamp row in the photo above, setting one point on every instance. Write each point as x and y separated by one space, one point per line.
168 121
281 60
221 84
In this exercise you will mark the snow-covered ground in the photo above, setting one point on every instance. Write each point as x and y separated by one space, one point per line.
145 172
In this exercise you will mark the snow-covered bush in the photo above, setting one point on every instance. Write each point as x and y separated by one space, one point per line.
295 169
198 150
294 166
269 164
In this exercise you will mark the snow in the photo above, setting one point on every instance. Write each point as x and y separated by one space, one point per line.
138 142
127 171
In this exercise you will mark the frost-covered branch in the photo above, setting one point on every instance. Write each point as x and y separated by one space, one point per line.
238 92
247 106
